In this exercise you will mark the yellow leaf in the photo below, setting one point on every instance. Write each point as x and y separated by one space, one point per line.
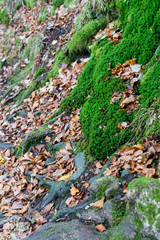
72 31
65 177
3 101
1 160
140 146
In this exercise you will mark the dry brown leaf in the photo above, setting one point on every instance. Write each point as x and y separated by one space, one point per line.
157 147
47 208
71 202
98 165
17 205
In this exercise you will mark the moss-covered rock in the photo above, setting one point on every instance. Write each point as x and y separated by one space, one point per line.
144 205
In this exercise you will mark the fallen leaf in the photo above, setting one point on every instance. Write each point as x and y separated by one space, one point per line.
98 204
140 146
74 191
100 228
47 208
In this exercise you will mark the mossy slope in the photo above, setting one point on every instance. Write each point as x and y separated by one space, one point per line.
141 31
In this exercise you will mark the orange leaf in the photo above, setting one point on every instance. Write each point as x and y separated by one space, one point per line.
100 228
74 191
98 204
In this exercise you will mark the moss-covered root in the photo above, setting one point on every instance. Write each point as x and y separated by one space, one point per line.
37 136
82 39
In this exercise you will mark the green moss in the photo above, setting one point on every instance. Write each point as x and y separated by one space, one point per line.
39 72
82 39
4 17
150 85
94 90
95 9
101 191
142 182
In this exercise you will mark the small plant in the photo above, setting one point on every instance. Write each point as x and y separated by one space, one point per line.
18 5
42 16
30 3
26 29
56 4
4 16
17 42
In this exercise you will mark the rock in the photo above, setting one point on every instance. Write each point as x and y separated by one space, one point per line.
110 186
126 176
135 68
144 204
5 145
126 230
79 160
58 146
11 116
49 160
23 113
107 211
33 136
118 197
91 215
73 230
37 113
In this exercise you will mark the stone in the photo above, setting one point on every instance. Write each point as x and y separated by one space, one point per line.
23 113
58 146
91 215
112 185
126 176
72 230
107 211
37 113
49 160
5 145
79 160
125 230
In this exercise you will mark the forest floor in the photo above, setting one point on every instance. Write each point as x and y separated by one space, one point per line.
43 171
